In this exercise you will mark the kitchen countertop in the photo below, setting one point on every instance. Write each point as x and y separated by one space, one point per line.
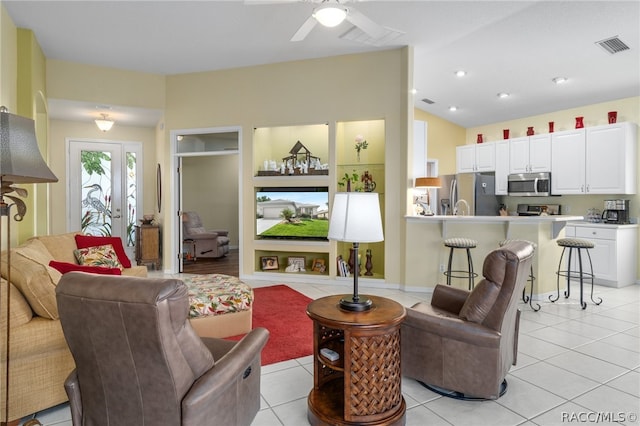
557 222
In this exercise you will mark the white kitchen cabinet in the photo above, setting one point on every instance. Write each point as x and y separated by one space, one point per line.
615 252
530 154
476 158
595 160
611 159
502 166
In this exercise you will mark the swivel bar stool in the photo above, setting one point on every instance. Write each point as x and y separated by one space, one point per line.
579 245
461 243
526 299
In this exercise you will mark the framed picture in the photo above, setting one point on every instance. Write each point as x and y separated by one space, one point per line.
299 261
319 265
269 262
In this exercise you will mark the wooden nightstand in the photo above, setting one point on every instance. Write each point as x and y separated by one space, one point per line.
148 245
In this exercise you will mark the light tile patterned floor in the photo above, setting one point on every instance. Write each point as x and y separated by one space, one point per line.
573 365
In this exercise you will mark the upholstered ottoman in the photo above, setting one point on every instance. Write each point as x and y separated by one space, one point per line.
220 305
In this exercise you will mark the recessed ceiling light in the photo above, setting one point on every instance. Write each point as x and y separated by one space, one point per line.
453 108
414 91
560 80
503 95
461 73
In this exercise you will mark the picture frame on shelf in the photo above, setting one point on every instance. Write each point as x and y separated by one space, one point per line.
298 261
319 265
269 263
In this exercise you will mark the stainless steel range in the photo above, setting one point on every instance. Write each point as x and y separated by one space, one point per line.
537 210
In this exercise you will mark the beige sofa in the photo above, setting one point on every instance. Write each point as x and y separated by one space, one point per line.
40 360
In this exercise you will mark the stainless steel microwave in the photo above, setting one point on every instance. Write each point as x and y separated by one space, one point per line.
529 184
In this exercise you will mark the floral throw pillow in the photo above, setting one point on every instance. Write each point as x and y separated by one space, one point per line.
104 256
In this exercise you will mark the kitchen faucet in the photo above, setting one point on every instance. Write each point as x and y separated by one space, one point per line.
456 208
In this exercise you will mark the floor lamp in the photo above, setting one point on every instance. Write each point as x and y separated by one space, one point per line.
20 162
355 218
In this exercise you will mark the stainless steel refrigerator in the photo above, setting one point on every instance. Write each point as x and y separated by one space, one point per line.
477 189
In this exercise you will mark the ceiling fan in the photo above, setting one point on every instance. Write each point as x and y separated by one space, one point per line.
331 13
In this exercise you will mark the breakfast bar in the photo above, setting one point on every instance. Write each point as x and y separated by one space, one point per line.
425 267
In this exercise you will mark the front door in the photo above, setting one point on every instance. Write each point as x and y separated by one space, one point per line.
105 189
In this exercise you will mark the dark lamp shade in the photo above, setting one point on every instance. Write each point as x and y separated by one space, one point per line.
20 159
356 218
428 182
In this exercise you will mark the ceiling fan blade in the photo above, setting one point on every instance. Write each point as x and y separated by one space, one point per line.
305 29
365 24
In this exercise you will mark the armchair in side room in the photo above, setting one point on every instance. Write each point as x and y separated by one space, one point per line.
207 243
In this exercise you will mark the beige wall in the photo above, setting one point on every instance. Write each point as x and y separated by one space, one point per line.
210 188
8 61
442 139
357 87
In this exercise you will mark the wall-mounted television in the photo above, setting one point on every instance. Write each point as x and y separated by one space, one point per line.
292 213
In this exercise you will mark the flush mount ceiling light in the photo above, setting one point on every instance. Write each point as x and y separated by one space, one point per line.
104 123
453 108
560 80
503 95
330 14
460 73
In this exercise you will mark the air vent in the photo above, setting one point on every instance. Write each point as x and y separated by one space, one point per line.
613 45
359 36
428 101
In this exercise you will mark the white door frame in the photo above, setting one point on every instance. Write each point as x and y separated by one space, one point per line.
72 173
173 214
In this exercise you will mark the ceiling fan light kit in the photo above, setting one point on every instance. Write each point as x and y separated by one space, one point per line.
330 14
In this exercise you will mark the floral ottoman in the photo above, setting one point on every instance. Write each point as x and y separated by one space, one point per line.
219 305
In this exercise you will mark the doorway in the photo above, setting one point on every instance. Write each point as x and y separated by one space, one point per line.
207 181
105 189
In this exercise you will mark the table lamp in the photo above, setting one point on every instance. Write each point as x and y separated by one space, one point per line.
428 182
20 162
356 218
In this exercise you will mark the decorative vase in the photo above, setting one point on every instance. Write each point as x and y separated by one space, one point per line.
612 116
352 261
505 134
530 131
551 127
368 265
479 138
349 185
358 155
579 122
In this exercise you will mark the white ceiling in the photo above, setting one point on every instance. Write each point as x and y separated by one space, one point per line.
505 46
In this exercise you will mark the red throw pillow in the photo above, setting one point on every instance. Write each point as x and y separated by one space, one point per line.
85 241
64 267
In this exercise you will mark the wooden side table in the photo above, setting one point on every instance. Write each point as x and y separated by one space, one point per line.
362 387
148 245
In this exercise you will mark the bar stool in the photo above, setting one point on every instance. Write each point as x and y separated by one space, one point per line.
526 299
461 243
579 245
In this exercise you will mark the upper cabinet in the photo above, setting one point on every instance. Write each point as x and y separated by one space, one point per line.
530 154
595 160
502 166
476 158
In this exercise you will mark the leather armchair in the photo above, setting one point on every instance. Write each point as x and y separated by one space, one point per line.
466 341
138 361
208 243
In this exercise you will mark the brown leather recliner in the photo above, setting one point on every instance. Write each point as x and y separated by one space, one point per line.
464 343
208 243
138 361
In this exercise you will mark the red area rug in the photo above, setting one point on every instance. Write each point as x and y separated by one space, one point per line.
282 311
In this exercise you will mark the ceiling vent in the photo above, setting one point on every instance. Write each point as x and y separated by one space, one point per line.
359 36
428 101
613 45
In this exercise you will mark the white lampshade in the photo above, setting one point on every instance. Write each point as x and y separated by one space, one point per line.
355 217
330 14
104 123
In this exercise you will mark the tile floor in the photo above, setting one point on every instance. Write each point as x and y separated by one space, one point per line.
573 365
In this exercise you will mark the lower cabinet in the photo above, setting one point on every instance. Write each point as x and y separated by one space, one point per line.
615 252
148 245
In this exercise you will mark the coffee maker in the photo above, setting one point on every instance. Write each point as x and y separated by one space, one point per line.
616 211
